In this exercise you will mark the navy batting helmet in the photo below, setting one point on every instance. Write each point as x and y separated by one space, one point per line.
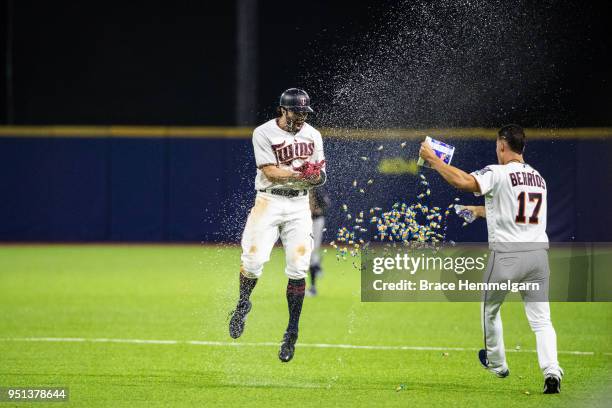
296 100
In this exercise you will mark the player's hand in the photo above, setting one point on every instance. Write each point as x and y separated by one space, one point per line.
427 153
471 208
466 212
478 210
310 171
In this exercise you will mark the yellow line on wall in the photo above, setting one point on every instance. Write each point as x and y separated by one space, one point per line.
213 132
126 131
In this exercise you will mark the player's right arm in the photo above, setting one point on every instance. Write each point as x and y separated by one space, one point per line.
266 160
278 175
453 175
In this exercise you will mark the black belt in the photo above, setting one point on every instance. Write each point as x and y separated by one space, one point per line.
285 193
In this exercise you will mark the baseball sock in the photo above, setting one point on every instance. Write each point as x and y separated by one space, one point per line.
313 275
295 298
246 287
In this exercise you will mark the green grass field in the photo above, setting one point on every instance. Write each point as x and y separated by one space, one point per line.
184 293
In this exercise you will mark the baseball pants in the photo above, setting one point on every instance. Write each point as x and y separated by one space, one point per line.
272 217
528 266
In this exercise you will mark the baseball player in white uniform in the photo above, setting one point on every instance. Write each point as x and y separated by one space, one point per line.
515 210
290 161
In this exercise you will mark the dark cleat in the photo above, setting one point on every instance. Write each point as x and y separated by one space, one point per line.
552 385
501 374
482 356
236 324
287 347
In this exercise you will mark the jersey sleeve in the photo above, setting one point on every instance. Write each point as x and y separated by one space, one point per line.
318 154
487 179
263 149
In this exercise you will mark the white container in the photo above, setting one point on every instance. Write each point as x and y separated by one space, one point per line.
442 150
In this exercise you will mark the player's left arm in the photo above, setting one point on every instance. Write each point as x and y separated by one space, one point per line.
453 175
318 180
478 210
318 157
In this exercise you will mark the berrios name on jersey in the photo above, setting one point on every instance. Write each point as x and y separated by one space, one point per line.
516 206
273 145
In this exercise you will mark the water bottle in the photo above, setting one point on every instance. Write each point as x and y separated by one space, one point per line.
464 213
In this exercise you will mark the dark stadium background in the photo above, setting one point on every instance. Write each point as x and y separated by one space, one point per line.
175 64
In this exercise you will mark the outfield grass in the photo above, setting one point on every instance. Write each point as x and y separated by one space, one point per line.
185 293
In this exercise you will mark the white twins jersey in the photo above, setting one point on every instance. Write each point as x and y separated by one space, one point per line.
515 203
273 145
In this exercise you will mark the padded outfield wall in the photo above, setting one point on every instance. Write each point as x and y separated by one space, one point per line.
152 184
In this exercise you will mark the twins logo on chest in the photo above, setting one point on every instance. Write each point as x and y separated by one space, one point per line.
286 153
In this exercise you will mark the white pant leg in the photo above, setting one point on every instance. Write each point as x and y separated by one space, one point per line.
494 334
296 235
318 224
260 234
538 315
537 310
490 315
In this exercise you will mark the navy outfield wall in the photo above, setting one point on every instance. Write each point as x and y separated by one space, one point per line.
152 187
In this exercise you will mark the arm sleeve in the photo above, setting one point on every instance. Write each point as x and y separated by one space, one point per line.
486 179
319 155
263 149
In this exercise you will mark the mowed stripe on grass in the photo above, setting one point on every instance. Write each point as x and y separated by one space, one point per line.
268 344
